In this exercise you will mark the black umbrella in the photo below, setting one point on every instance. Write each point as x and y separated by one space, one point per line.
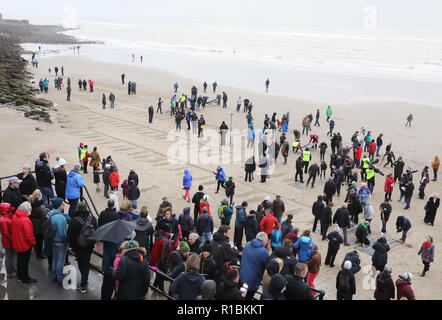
115 231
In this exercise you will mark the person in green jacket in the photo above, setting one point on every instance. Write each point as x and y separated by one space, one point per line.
328 113
225 212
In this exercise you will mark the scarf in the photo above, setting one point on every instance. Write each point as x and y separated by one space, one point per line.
427 244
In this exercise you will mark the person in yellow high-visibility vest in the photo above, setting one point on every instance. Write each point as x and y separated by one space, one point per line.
84 157
370 177
365 165
306 157
296 145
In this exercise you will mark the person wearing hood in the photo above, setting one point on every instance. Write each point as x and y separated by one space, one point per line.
12 194
144 231
334 242
326 220
404 225
187 183
221 250
297 288
229 288
253 262
230 190
187 286
435 166
353 257
317 208
408 193
285 253
384 285
73 188
207 264
208 290
82 252
23 240
427 254
37 216
345 282
186 222
398 168
44 175
225 212
28 183
240 221
278 208
329 190
361 233
423 183
6 214
176 264
314 265
220 177
380 256
276 289
61 178
431 208
251 226
204 226
196 199
403 287
132 272
304 244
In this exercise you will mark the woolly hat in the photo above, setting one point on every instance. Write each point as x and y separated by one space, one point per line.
205 210
206 247
337 229
56 202
184 247
347 265
235 262
208 289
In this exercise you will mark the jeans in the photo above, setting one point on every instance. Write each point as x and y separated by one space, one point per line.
150 117
23 265
112 103
10 261
46 193
134 203
59 250
178 126
377 151
206 236
435 173
73 203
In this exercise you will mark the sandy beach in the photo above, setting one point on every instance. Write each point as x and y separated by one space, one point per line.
125 134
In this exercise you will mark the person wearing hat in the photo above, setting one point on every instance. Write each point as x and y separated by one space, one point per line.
61 178
59 243
345 282
384 285
28 183
12 194
240 221
208 290
403 287
230 190
132 273
233 263
23 240
334 243
276 288
184 250
73 188
208 265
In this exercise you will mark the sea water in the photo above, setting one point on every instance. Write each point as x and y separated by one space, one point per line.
328 65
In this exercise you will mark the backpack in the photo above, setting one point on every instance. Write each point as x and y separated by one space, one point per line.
48 228
87 230
221 211
344 282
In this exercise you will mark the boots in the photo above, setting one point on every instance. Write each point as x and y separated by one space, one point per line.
403 239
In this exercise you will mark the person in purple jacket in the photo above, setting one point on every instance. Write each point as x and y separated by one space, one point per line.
187 183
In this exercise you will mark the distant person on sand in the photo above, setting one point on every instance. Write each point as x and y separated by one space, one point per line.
84 85
151 112
175 87
205 86
267 84
122 78
103 101
409 119
112 100
328 113
214 86
68 92
160 102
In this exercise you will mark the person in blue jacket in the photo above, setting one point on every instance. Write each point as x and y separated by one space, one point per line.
220 176
284 127
276 240
253 262
187 183
73 188
303 244
59 222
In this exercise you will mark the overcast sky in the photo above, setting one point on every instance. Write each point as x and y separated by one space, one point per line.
303 13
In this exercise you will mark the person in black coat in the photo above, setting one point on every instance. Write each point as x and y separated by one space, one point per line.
144 231
106 180
250 167
334 242
398 168
251 226
187 286
82 254
380 257
12 194
345 282
386 209
313 171
297 288
342 218
276 288
326 220
28 183
317 208
329 190
353 257
228 289
132 273
285 253
431 208
176 264
355 208
109 214
286 226
299 167
197 197
208 266
221 250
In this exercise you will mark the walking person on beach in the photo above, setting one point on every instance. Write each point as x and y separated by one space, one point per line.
424 181
334 242
201 123
331 124
214 86
342 219
403 287
187 183
267 84
435 165
112 100
159 104
328 112
151 112
84 85
68 93
386 210
122 78
409 119
427 254
175 87
91 85
103 101
431 208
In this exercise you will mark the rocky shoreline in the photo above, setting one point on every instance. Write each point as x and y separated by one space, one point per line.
16 91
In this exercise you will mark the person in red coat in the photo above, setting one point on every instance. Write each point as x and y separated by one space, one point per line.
388 187
23 240
358 155
268 224
403 287
114 179
371 149
5 230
